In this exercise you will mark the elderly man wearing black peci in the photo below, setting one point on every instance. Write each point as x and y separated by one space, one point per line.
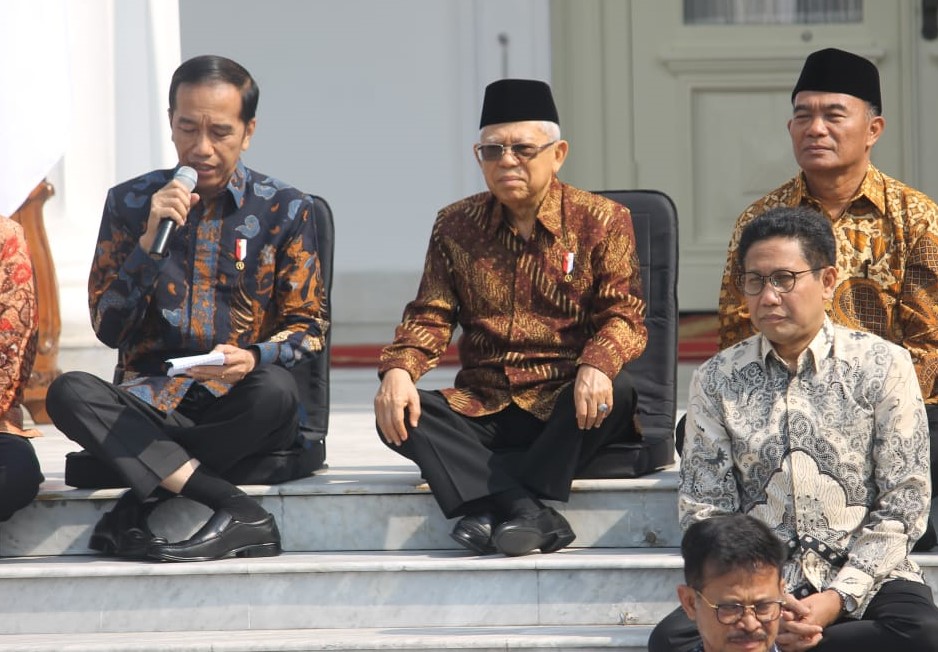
543 280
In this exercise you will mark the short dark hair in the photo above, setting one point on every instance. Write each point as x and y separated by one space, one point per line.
722 544
209 68
811 229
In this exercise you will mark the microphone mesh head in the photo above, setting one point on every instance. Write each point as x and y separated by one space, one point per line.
187 177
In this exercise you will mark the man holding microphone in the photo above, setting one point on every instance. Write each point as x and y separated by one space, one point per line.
228 264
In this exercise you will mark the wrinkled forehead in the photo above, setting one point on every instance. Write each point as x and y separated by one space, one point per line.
760 580
823 100
530 131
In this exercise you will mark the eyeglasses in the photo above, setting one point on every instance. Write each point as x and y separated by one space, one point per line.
782 281
730 614
522 151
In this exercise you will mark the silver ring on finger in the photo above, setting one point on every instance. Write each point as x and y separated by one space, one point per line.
603 408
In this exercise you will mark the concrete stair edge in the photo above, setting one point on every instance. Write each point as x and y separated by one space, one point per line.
333 590
357 514
393 480
587 638
345 562
570 588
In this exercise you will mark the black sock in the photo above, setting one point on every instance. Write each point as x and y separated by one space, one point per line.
516 503
128 500
206 488
159 495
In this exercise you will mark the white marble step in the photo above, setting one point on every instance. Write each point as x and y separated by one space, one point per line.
338 590
381 503
580 587
478 639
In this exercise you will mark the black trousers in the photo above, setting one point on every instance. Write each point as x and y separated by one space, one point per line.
20 476
902 617
145 445
467 459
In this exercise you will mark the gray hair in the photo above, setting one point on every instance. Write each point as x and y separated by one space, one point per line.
548 128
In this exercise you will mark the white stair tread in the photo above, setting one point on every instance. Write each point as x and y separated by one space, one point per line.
340 562
295 640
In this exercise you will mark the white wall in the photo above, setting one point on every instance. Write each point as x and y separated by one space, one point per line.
119 53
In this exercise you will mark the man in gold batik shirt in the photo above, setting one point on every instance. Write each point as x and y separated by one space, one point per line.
543 280
886 232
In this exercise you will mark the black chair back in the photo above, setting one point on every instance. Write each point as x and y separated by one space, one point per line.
654 373
312 376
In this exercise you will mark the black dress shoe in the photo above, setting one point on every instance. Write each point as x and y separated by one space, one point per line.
124 531
546 530
475 533
223 536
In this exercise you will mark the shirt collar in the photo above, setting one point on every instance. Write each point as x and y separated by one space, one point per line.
238 183
872 189
549 214
820 347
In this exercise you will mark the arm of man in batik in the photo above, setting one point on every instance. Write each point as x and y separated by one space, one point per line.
708 486
123 275
618 306
918 308
302 316
427 326
419 341
122 278
901 475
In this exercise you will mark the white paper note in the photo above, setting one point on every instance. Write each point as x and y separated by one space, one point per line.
181 365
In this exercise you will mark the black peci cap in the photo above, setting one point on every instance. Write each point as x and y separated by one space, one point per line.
837 71
517 100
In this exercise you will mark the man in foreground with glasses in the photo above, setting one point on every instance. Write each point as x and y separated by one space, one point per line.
820 432
543 280
733 588
887 232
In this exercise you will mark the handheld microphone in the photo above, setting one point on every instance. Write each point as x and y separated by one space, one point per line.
188 177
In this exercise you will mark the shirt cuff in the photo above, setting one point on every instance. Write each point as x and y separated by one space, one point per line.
410 361
853 586
269 352
597 357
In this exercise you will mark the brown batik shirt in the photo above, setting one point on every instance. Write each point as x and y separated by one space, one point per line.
887 268
530 311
